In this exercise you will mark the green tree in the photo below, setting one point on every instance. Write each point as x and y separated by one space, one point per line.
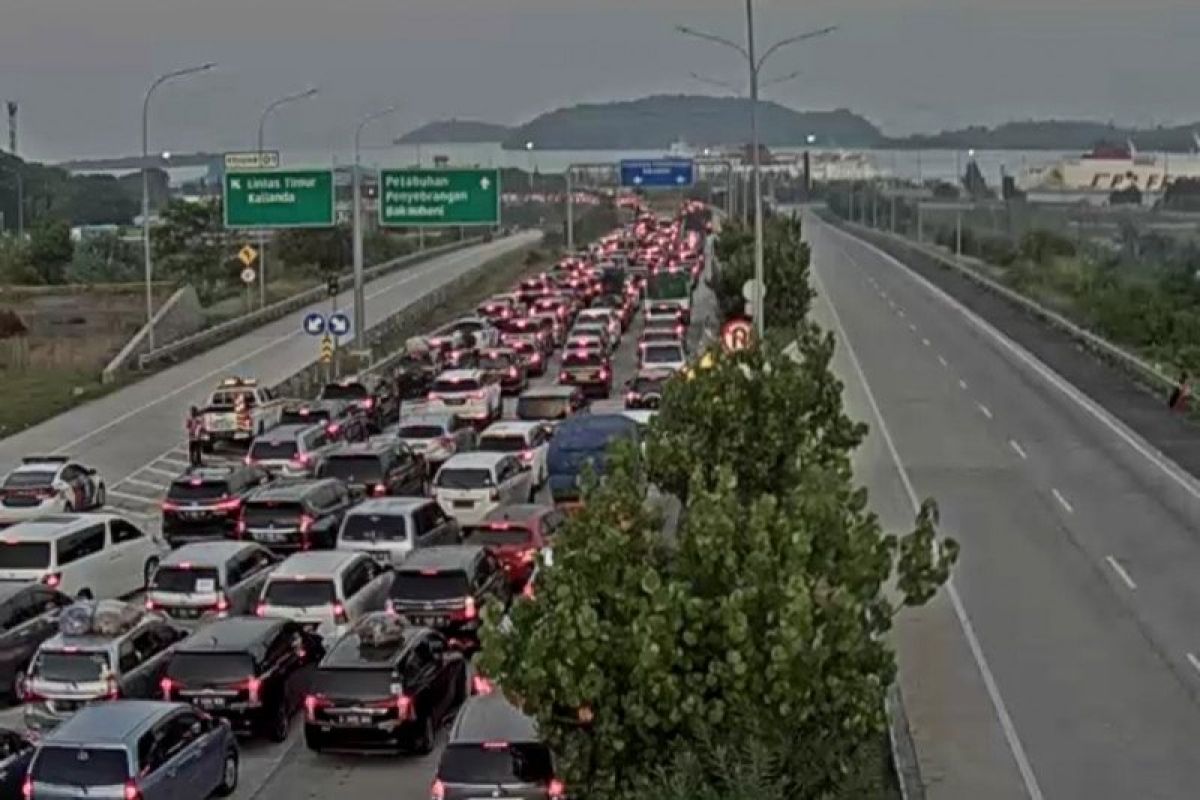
105 258
50 249
323 250
15 267
785 268
190 246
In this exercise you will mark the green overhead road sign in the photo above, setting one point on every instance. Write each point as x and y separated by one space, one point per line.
435 197
279 199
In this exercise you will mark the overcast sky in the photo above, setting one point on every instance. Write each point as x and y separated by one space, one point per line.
79 67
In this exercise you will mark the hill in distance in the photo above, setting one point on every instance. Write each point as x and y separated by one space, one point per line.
455 131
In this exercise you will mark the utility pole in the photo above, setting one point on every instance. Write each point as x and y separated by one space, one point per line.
360 302
12 148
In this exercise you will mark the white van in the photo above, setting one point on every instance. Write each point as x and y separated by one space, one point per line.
326 591
81 555
470 485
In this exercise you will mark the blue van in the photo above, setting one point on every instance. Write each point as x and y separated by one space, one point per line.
578 441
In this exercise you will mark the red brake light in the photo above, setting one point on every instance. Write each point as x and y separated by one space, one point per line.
527 455
557 790
166 685
306 523
339 614
469 611
369 403
52 579
167 505
480 685
404 707
437 791
260 610
27 788
563 377
253 687
132 792
241 527
150 604
380 489
333 429
302 459
512 372
222 604
232 504
604 374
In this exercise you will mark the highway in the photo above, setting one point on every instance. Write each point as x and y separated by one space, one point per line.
1065 661
135 436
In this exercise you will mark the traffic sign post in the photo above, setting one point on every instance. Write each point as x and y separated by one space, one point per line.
267 159
248 276
247 255
314 323
439 197
736 334
664 173
339 324
279 199
326 349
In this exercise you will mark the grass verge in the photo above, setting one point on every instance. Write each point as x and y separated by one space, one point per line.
35 395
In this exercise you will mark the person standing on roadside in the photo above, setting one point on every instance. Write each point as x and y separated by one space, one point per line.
1179 396
195 434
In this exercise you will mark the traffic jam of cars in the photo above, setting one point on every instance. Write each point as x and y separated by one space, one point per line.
330 558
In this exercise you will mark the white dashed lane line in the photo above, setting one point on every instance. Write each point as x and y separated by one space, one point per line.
962 384
1121 573
987 412
1016 446
148 484
912 327
925 342
1195 662
1062 501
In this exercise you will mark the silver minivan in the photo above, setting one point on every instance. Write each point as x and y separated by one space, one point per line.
291 451
389 528
210 579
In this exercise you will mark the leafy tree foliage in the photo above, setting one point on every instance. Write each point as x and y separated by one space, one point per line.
190 246
785 260
50 249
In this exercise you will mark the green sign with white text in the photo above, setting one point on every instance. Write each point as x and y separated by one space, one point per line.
432 197
279 199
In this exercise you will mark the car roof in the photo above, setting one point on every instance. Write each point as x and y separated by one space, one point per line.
231 634
290 430
491 718
287 490
52 526
315 562
519 512
554 392
460 375
510 427
427 419
447 557
349 651
212 472
607 423
475 459
206 552
371 447
389 505
40 466
119 723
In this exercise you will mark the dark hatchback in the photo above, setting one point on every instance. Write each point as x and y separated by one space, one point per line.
295 515
28 616
251 671
646 390
446 588
205 502
384 686
412 377
344 420
379 468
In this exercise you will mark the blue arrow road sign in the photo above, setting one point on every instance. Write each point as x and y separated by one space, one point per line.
339 324
662 173
314 324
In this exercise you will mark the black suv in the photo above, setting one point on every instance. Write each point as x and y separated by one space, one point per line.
381 467
413 375
204 503
384 685
367 392
445 588
251 671
295 515
28 617
344 420
646 390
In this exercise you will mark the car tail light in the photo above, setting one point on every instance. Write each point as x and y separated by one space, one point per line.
150 604
480 685
527 455
260 610
631 397
241 527
512 372
311 703
437 790
249 461
477 395
52 579
27 788
380 489
469 611
557 790
680 330
369 403
222 604
536 358
253 690
563 377
339 614
166 685
527 592
302 459
168 506
604 374
230 504
114 689
528 555
404 707
333 429
445 441
306 523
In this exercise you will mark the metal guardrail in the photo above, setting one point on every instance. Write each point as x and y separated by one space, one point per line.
1143 371
190 345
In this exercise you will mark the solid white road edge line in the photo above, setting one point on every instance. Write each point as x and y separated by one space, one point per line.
1062 501
1016 446
987 412
1127 435
962 384
1117 568
985 671
942 360
139 482
1195 662
149 501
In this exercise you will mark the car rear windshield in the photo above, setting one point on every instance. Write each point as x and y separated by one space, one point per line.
457 385
203 669
495 762
281 450
586 358
191 580
192 492
498 537
24 555
70 666
300 594
352 469
29 479
227 399
648 385
420 432
374 527
464 479
349 391
495 443
658 353
495 362
81 766
334 683
260 515
430 586
534 408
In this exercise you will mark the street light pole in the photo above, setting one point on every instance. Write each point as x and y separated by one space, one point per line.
360 303
262 235
146 249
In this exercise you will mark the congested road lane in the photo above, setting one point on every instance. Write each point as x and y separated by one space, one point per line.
1063 668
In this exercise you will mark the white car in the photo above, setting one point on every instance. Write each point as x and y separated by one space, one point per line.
468 393
607 317
484 333
81 555
46 485
528 441
665 356
326 591
389 528
470 485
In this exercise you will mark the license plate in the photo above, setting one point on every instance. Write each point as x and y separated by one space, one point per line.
209 703
424 620
464 504
183 613
194 514
357 720
274 537
450 401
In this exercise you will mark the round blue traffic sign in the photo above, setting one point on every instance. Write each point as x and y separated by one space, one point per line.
314 324
339 324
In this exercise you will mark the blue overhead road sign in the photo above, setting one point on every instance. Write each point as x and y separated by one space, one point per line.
662 173
314 324
339 324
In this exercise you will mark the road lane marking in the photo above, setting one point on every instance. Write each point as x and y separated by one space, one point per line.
925 342
1195 662
942 360
962 384
1062 501
912 327
987 412
1095 410
900 311
435 265
137 498
1016 446
163 472
140 482
989 680
1117 568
